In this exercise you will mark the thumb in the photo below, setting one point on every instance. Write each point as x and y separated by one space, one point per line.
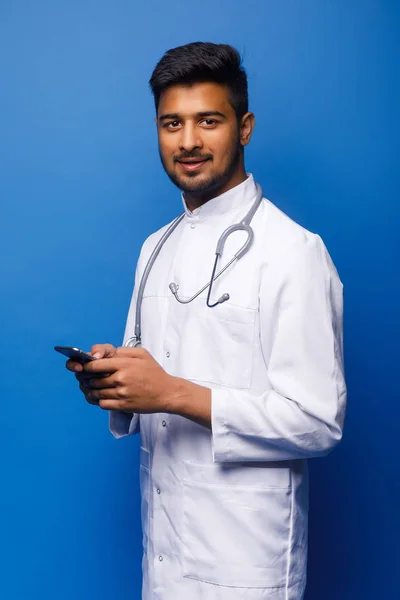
123 351
103 350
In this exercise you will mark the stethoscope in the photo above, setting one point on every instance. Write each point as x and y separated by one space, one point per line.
244 225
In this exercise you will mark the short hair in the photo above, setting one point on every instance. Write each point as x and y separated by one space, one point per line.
201 62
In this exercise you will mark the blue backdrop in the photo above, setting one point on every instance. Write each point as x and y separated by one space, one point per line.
81 187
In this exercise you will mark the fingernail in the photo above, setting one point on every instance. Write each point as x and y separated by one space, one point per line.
97 355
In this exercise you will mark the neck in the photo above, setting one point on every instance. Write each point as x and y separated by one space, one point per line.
196 199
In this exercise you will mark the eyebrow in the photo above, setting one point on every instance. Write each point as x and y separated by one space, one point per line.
205 114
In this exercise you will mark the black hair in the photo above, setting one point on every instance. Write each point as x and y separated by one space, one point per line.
202 62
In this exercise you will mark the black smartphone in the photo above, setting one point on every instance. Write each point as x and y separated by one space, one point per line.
75 353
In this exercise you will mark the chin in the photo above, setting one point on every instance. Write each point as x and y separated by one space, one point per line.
194 186
195 183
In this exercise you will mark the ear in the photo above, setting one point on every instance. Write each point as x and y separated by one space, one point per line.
246 128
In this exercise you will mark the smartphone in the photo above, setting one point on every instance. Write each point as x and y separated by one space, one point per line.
75 353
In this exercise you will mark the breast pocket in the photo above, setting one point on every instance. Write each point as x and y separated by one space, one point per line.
216 344
236 524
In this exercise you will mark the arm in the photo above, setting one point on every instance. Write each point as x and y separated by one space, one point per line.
302 415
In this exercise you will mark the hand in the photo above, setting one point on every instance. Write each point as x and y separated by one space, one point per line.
136 382
99 351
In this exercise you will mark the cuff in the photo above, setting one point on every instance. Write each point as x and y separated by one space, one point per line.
121 424
219 429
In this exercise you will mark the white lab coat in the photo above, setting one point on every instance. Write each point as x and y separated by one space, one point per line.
224 513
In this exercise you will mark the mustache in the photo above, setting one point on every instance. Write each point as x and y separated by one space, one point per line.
187 155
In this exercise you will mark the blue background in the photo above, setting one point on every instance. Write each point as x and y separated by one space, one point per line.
81 187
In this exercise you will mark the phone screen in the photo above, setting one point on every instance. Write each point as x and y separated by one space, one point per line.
75 353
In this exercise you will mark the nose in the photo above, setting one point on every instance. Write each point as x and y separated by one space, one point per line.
190 138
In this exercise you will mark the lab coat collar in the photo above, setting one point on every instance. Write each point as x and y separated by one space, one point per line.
240 195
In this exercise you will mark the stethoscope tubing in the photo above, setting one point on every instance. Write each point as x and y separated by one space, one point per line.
146 272
244 225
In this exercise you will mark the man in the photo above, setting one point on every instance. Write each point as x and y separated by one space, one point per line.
230 401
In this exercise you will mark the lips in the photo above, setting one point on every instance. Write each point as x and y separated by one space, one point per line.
192 165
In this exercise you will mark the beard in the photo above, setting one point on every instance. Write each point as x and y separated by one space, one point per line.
196 183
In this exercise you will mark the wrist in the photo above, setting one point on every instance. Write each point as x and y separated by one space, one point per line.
174 394
189 400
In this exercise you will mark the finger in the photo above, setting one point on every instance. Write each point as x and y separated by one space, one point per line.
74 366
102 365
93 401
111 404
100 383
84 376
83 381
122 352
86 382
103 350
103 394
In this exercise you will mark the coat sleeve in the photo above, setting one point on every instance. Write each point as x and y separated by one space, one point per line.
120 423
301 337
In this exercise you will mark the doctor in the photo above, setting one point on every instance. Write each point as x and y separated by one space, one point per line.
230 401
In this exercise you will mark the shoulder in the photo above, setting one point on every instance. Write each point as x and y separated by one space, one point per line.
281 230
290 246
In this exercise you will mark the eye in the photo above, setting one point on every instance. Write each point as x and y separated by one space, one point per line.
171 125
209 122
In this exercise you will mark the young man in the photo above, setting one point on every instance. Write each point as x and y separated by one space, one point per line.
231 400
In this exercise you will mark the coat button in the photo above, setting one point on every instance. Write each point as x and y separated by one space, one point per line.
164 423
167 354
193 226
158 491
160 558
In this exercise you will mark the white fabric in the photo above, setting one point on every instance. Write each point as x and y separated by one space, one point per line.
225 512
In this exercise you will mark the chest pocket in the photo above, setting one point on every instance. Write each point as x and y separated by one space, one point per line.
216 345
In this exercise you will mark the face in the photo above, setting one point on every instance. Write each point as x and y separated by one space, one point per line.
200 139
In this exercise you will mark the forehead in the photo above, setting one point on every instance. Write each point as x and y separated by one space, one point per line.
190 99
